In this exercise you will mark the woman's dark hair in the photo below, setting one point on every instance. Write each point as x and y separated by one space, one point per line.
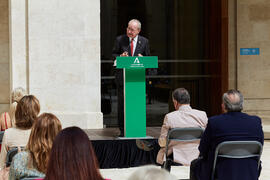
26 112
72 157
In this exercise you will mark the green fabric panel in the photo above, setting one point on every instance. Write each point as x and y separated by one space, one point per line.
135 103
135 92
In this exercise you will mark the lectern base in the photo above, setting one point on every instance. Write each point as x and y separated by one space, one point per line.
129 138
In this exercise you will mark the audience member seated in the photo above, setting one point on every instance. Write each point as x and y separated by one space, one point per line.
7 119
26 112
233 125
34 161
72 157
151 173
183 117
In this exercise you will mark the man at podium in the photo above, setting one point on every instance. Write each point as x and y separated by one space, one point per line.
129 44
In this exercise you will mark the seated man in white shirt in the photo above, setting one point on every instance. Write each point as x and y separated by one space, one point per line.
183 117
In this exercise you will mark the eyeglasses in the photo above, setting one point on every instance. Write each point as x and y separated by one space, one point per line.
130 29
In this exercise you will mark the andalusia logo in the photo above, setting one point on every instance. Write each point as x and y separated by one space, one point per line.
136 61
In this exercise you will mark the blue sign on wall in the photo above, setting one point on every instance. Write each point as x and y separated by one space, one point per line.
249 51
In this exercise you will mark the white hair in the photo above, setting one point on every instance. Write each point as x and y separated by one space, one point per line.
233 100
151 173
136 21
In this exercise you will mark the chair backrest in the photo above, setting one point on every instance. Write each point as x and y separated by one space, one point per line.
237 149
10 154
184 135
31 178
1 136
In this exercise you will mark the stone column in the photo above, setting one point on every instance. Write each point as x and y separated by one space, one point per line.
58 57
18 41
4 57
232 45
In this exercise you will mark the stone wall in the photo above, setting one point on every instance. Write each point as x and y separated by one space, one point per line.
249 27
56 56
4 57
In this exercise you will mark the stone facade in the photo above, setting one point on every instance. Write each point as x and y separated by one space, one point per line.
249 27
4 57
55 55
52 48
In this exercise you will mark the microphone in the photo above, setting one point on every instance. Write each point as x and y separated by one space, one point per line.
125 52
128 47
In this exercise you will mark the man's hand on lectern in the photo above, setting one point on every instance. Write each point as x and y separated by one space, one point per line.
124 54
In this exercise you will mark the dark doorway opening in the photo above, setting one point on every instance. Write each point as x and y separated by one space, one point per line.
190 37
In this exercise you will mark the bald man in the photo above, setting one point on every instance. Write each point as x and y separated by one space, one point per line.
233 125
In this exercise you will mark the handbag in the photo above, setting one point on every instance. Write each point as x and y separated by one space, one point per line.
4 173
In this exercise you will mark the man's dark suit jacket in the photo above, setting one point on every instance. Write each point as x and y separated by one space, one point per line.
122 44
231 126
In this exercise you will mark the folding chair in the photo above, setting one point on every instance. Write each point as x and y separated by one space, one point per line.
182 135
238 150
31 178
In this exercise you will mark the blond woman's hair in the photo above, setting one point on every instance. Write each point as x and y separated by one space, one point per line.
16 95
43 132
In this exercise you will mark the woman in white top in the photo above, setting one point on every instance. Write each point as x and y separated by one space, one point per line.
27 110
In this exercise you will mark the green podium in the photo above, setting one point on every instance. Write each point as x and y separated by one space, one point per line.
134 92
